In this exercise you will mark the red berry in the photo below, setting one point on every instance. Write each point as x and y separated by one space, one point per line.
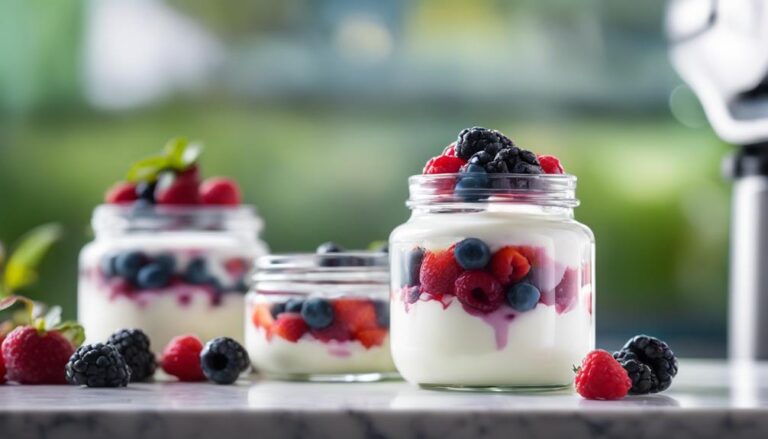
290 326
356 314
509 265
336 331
35 357
439 271
602 377
567 290
2 363
443 164
220 191
236 267
450 150
551 165
372 337
479 290
121 192
178 189
181 358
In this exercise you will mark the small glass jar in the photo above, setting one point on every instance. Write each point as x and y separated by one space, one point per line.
320 317
492 286
168 270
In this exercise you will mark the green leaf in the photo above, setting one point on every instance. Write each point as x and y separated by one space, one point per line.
181 153
72 330
9 301
2 254
147 169
21 269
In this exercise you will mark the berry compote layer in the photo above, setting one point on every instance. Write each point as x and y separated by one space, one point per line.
172 253
326 321
491 278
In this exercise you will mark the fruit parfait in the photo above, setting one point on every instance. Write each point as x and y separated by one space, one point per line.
491 276
171 254
321 317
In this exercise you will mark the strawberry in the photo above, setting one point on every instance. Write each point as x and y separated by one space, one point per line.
356 314
439 271
120 193
236 267
290 326
2 363
550 164
509 265
443 164
36 357
178 189
602 377
336 331
262 318
181 358
220 191
371 337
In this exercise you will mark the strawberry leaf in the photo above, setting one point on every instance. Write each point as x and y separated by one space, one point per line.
21 270
147 169
31 306
72 330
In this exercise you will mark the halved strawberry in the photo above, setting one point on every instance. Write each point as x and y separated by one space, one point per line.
372 337
509 265
550 164
439 271
262 316
178 189
443 164
356 314
290 326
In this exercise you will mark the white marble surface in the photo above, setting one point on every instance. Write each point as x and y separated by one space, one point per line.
709 399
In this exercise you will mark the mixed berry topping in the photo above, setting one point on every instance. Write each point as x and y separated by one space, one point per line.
223 360
181 358
602 377
98 365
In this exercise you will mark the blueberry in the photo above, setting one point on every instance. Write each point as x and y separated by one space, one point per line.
197 272
277 309
523 296
167 260
294 305
318 313
472 254
223 360
215 284
128 264
413 266
107 266
329 247
241 286
382 312
146 191
152 276
480 158
472 182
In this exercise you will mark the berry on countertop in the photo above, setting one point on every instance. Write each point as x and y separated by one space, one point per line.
653 353
480 291
177 189
551 165
181 358
220 191
439 271
290 326
475 139
509 265
317 312
413 260
36 357
98 365
523 296
152 276
602 377
223 360
133 345
472 254
120 193
644 381
443 164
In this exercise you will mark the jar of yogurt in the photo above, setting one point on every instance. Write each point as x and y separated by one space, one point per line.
320 317
492 277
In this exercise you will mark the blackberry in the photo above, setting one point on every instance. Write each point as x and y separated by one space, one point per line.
133 345
497 167
476 139
223 360
97 365
480 158
328 249
656 356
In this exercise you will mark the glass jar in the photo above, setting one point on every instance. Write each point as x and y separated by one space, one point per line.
492 286
168 270
320 317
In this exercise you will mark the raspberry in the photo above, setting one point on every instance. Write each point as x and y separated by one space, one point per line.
120 193
567 290
443 165
602 377
220 191
479 290
450 150
290 326
335 331
371 337
178 189
439 271
181 358
34 357
356 314
550 164
653 353
509 265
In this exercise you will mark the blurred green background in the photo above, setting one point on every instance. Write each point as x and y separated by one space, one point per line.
322 108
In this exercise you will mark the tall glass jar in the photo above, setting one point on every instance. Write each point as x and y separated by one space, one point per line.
168 270
492 286
320 317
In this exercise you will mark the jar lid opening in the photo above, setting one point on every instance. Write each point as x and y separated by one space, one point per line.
114 218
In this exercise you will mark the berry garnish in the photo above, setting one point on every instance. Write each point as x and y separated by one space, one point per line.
602 377
294 305
371 337
290 326
133 345
509 265
450 150
472 254
181 358
220 191
412 267
655 354
443 165
439 271
472 183
523 296
479 290
177 188
317 312
475 139
223 360
550 164
356 314
98 365
122 192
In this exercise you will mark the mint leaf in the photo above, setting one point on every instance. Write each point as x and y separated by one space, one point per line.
21 270
147 169
181 153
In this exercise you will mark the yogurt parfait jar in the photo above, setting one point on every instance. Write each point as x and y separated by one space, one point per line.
320 317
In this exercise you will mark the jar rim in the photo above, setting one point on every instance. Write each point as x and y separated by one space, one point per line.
133 217
348 261
557 190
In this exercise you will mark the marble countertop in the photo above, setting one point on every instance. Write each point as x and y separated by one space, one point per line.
708 400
